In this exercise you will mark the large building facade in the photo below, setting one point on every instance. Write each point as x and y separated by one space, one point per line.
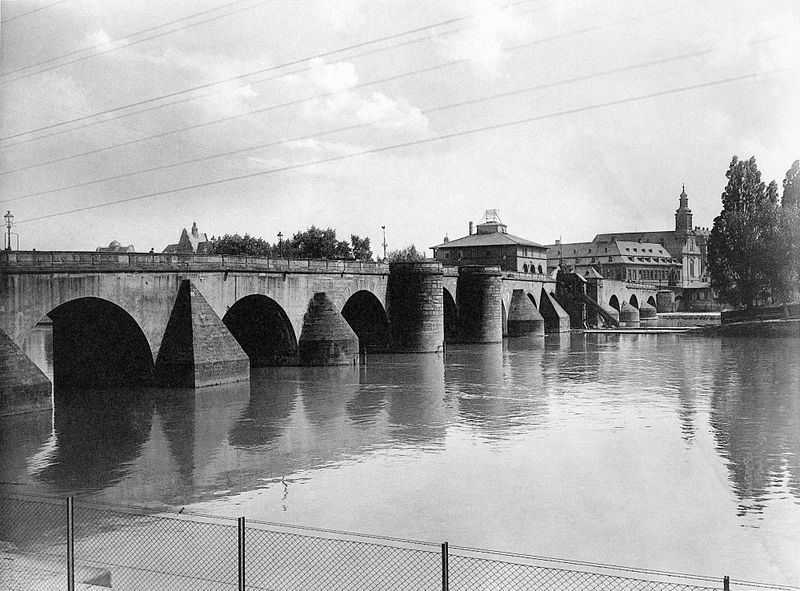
675 259
491 244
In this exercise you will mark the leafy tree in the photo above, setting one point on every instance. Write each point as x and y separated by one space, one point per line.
790 229
361 249
744 253
791 186
316 243
407 254
241 245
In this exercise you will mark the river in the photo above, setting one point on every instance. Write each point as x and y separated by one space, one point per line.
668 451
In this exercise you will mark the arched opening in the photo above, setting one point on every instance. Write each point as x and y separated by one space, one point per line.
652 301
366 316
263 331
525 268
97 344
533 299
614 302
634 301
450 317
539 268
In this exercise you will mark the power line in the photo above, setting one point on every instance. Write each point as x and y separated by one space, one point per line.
427 111
290 103
248 74
419 142
13 18
188 26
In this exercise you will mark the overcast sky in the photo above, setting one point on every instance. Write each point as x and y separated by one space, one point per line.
607 108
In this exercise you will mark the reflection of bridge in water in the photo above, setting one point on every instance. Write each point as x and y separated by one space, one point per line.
189 320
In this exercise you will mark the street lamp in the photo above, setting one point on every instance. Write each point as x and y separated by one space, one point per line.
384 242
9 217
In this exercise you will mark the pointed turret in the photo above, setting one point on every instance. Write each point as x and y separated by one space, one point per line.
683 215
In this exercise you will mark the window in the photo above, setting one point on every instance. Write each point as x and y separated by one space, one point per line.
540 269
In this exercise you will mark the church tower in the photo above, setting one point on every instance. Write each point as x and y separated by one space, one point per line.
683 215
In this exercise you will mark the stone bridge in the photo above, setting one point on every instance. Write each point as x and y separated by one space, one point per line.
194 320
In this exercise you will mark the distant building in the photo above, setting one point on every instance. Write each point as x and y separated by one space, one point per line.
190 243
675 258
115 246
491 244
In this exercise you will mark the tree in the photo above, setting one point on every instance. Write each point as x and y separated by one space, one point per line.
241 245
316 243
743 249
791 186
407 254
790 229
361 249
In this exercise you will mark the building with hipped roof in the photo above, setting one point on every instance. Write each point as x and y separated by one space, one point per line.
491 245
115 246
190 243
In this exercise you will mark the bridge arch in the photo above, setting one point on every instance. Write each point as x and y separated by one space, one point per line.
634 301
97 344
263 330
365 314
450 316
652 301
614 302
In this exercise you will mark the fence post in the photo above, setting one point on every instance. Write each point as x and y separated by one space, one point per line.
70 546
726 583
445 568
241 553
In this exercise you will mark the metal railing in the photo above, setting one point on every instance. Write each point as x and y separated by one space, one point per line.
64 261
60 543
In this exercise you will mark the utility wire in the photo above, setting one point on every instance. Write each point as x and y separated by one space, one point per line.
13 18
245 75
333 52
419 142
427 111
136 42
290 103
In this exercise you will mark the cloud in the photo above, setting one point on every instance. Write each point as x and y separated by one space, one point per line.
482 42
342 104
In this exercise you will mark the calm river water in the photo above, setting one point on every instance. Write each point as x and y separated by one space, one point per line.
656 451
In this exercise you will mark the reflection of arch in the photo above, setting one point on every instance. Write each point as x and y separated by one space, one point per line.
366 316
533 299
652 301
263 330
634 301
450 317
614 302
97 344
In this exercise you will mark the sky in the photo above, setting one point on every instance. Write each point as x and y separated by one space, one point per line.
130 120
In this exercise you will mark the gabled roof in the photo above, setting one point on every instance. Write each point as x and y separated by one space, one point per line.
491 239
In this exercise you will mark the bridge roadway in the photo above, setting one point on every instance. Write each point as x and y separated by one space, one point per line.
194 320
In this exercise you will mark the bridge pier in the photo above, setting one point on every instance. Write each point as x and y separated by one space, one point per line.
414 301
197 349
23 386
326 338
523 317
478 298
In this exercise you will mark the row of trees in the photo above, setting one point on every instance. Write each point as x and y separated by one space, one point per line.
314 243
754 246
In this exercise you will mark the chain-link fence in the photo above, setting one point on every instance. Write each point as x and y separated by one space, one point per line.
48 543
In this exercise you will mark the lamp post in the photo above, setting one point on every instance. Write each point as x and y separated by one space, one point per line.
280 243
384 242
9 217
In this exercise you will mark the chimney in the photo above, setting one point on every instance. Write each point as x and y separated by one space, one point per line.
470 228
558 241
